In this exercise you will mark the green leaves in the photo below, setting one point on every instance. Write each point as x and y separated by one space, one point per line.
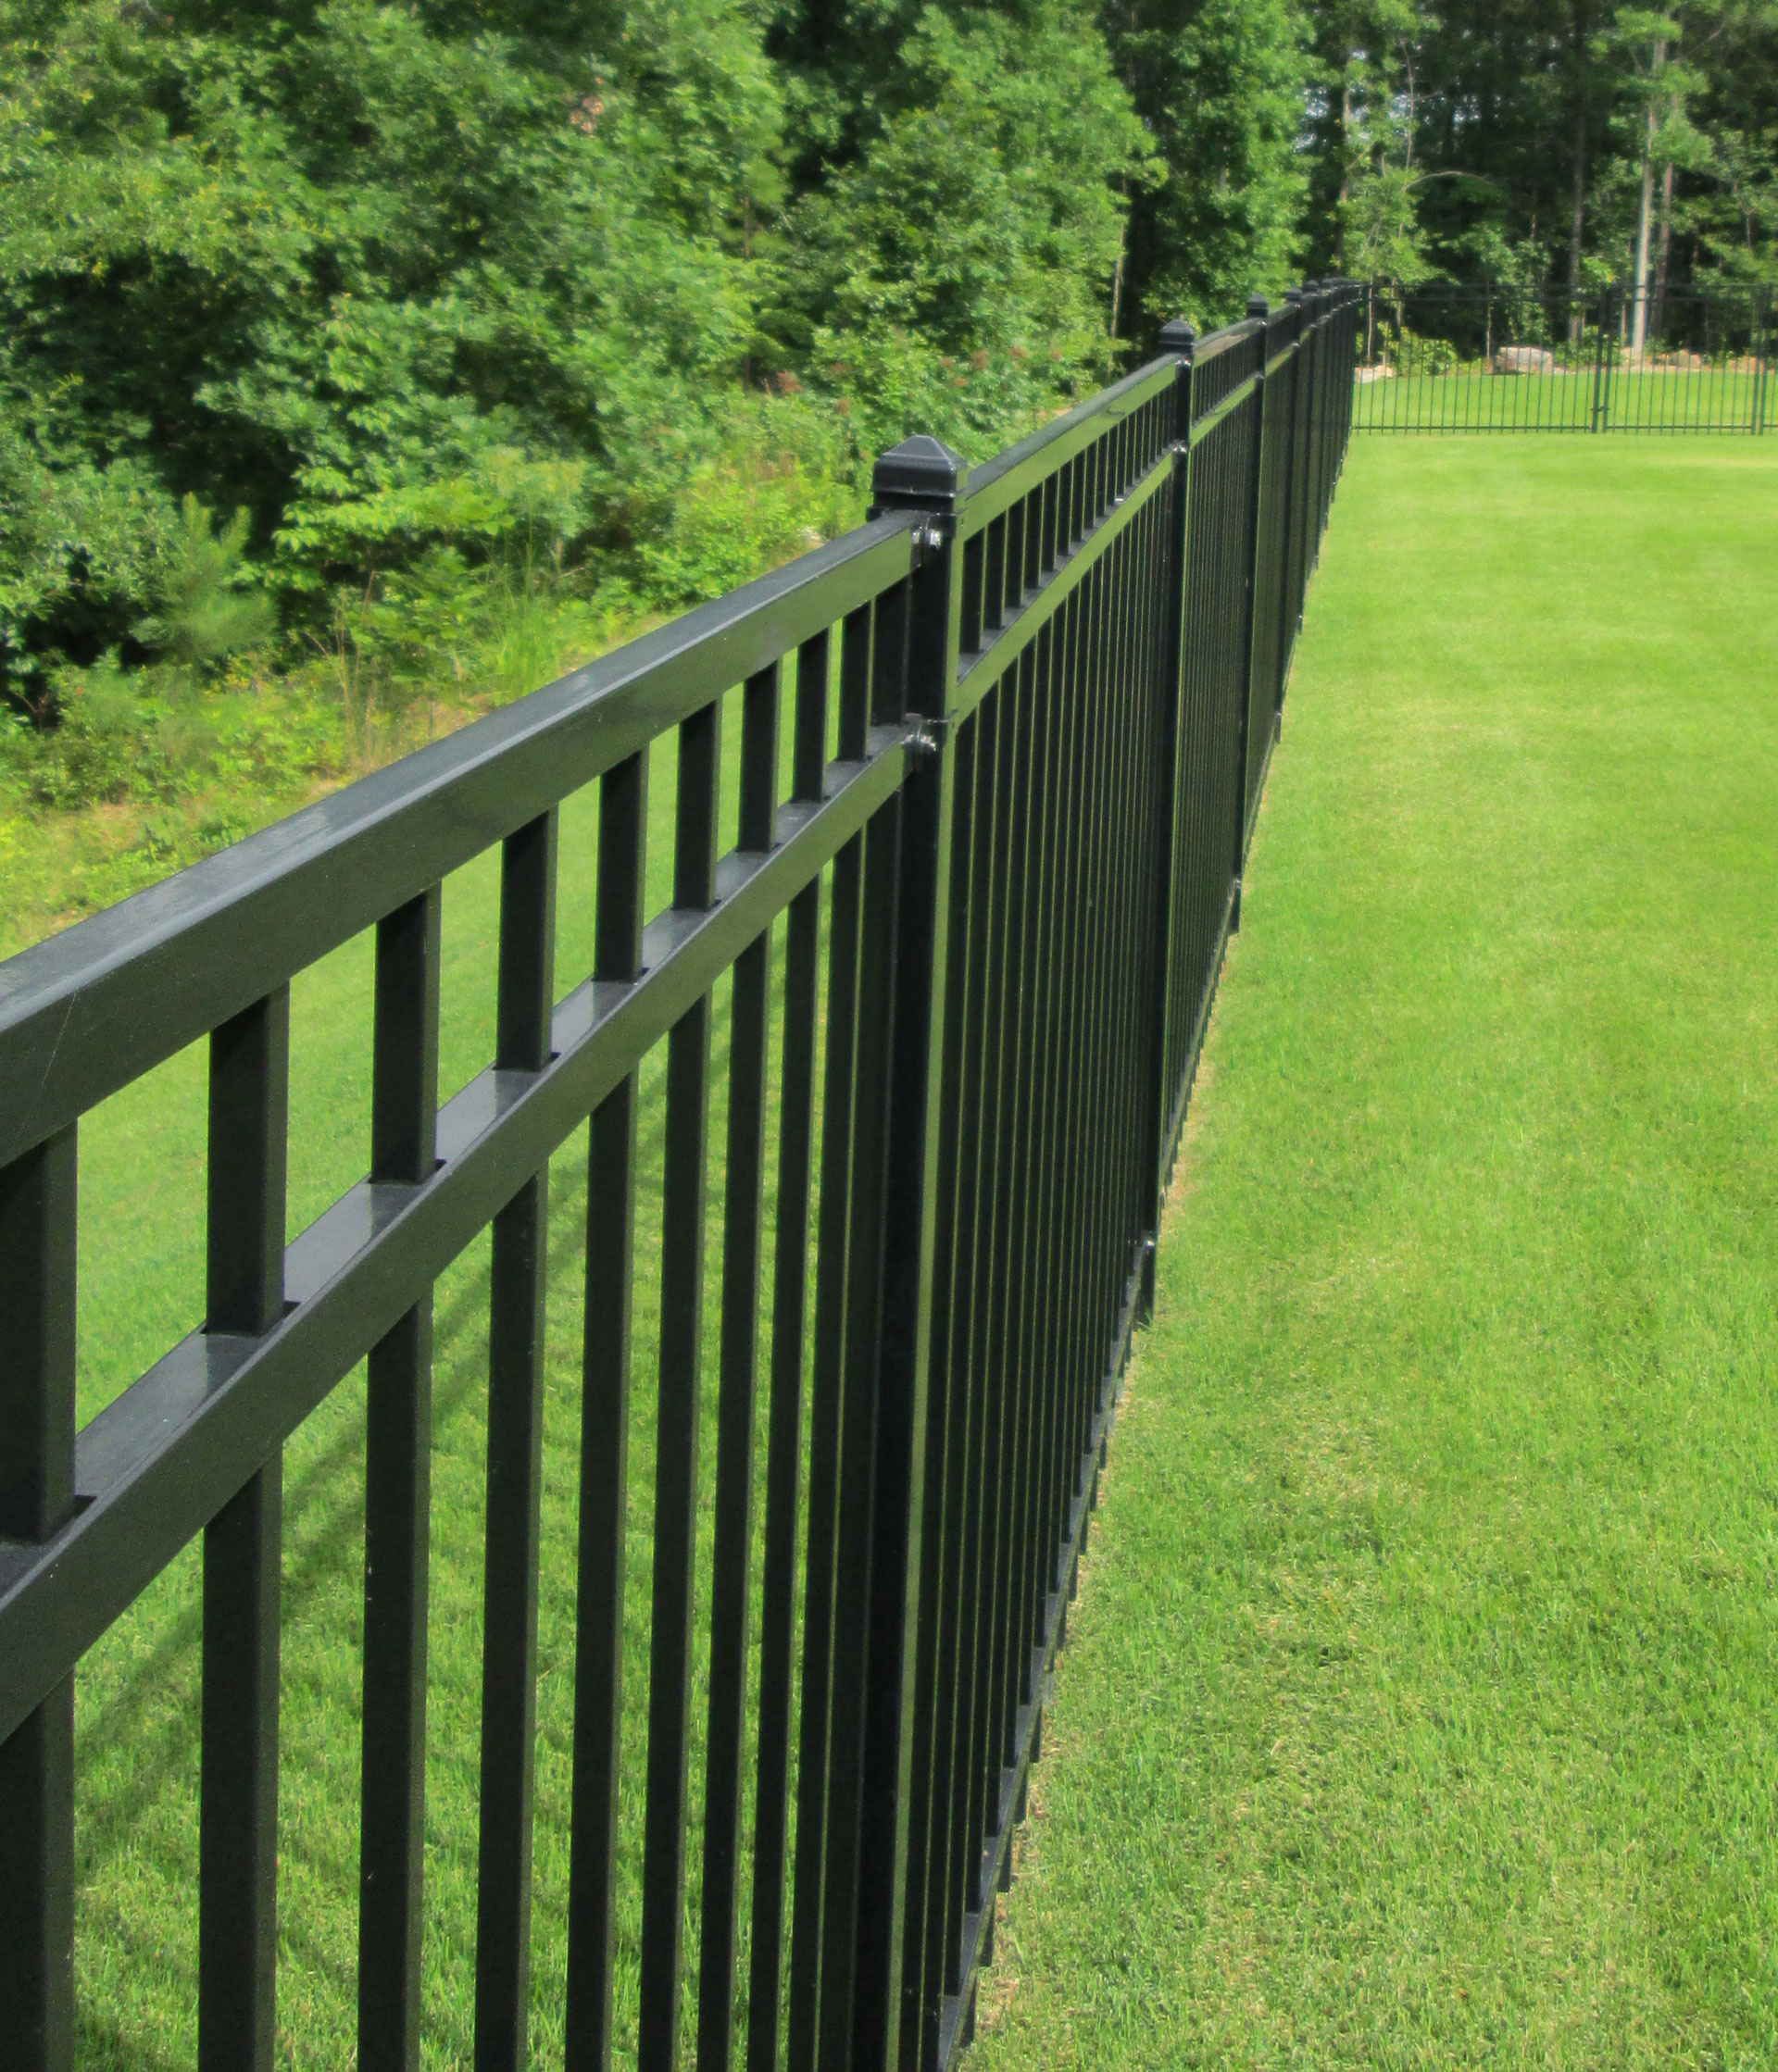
1221 86
979 219
205 608
436 291
1509 138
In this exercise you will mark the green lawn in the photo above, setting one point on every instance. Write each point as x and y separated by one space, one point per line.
1422 1703
1415 1707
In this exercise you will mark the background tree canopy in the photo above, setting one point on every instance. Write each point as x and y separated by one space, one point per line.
338 325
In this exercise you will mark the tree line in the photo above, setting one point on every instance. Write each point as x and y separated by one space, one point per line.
333 328
1550 143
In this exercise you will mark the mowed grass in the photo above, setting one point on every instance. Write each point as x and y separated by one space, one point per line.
1421 1706
142 1252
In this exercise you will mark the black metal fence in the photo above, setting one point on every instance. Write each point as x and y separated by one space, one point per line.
967 933
1505 358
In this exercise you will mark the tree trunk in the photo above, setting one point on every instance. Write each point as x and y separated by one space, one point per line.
1577 206
1645 214
1346 166
1663 247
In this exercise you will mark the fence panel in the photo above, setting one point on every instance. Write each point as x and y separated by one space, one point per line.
910 1037
1508 359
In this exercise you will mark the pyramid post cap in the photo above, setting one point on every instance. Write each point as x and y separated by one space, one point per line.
921 473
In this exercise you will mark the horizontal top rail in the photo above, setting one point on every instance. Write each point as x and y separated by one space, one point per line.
95 1008
1215 343
142 1490
1000 482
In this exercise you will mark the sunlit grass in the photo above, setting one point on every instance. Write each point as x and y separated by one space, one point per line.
1422 1703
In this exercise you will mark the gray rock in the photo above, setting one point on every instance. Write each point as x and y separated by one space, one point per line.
1525 359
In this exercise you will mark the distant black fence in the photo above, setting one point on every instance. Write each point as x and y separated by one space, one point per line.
1492 358
1031 716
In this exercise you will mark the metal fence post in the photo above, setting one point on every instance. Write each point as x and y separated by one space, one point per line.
1288 506
1179 339
37 1248
920 474
1295 492
1601 400
1318 413
1259 311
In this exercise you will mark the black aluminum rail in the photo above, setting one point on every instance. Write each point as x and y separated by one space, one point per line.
1015 866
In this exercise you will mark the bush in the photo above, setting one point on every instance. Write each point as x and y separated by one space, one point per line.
1415 355
781 480
107 744
151 736
206 607
82 552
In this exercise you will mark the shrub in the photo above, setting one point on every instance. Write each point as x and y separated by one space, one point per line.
107 744
1415 355
781 480
205 607
82 552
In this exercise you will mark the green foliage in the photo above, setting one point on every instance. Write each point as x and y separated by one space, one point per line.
107 747
384 279
1219 85
1510 137
981 216
80 547
453 306
205 610
779 481
1414 355
153 736
353 335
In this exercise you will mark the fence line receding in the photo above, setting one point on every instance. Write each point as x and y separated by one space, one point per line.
946 954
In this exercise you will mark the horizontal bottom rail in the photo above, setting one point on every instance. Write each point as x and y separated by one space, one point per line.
957 2021
1200 1028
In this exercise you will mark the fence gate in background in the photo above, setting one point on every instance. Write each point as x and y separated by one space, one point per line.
967 930
1501 358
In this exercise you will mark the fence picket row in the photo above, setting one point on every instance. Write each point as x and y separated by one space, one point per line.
1005 900
1499 357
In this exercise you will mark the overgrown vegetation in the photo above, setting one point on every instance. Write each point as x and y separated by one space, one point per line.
445 310
359 363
